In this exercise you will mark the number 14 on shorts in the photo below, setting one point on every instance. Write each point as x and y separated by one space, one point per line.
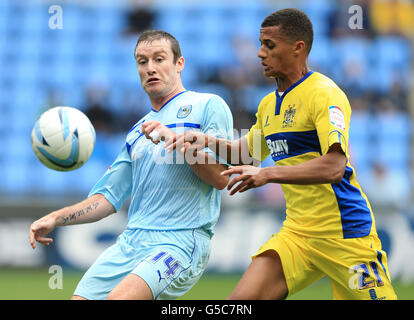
170 263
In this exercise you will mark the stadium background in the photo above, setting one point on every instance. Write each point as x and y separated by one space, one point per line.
86 60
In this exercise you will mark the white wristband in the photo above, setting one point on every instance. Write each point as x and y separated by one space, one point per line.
155 136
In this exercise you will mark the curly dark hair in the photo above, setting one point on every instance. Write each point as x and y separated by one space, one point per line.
293 23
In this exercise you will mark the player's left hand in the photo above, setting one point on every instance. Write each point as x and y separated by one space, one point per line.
156 131
190 141
250 177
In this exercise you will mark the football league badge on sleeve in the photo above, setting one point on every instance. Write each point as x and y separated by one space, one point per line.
337 117
184 111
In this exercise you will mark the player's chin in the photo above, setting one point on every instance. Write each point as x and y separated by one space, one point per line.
153 89
269 73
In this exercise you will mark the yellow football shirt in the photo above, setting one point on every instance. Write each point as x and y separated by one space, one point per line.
298 126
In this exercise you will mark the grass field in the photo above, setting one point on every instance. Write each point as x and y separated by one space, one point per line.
33 284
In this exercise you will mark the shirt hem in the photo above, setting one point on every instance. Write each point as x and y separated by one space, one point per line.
331 235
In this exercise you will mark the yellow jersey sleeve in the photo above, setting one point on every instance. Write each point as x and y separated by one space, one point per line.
258 148
331 114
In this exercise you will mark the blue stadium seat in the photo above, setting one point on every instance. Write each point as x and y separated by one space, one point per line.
52 182
361 125
116 97
73 95
3 19
354 49
395 126
105 20
124 73
72 20
114 145
189 48
35 19
66 46
14 16
361 155
214 23
392 56
208 54
98 70
318 11
18 145
23 111
315 7
72 182
218 89
30 46
248 22
4 120
25 71
173 19
354 52
393 139
15 176
361 147
395 154
102 48
190 74
5 4
81 180
61 72
101 152
252 95
392 51
322 57
92 172
220 17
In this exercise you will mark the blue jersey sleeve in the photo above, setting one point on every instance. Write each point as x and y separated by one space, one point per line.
217 119
218 122
116 183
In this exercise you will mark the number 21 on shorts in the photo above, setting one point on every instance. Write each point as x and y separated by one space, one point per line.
365 276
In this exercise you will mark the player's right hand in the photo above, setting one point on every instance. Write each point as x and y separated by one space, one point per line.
39 229
156 131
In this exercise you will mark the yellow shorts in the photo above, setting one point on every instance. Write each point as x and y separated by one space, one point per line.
357 268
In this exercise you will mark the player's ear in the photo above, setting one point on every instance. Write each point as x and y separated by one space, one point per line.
180 64
299 47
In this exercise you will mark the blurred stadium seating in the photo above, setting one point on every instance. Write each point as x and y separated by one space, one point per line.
42 67
94 48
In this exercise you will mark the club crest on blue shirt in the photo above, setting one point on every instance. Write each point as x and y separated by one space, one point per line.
184 111
288 116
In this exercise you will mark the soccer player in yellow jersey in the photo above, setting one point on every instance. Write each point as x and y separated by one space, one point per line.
304 125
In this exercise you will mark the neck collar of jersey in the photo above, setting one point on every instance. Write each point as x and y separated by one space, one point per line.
279 98
169 101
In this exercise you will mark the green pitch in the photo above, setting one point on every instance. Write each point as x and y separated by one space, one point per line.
33 284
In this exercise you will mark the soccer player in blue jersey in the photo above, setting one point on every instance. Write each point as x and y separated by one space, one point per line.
174 203
304 126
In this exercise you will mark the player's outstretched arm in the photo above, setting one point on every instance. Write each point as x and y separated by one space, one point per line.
328 168
89 210
234 152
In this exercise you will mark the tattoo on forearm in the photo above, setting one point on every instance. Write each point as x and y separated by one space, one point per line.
81 212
